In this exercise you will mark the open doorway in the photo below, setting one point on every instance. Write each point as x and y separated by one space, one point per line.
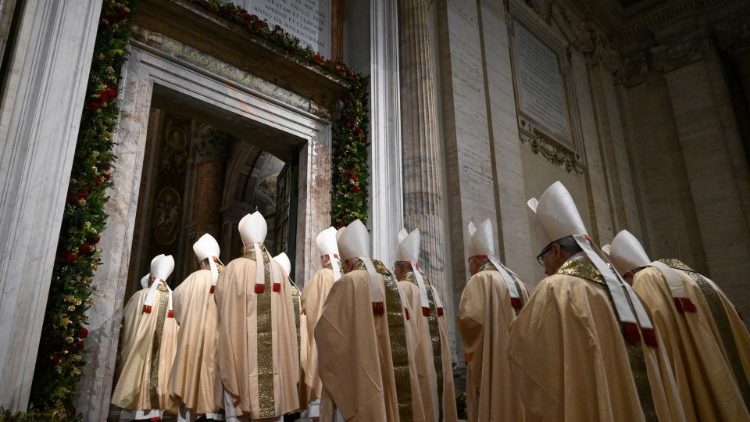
200 176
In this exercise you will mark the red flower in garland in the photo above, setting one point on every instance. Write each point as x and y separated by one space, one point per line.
72 198
94 239
86 248
68 257
319 59
83 332
54 359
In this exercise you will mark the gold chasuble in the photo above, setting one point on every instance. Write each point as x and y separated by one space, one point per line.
484 318
365 362
195 381
724 321
257 356
149 344
704 377
571 361
130 322
313 297
433 353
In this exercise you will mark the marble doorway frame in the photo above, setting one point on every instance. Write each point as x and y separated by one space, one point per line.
145 69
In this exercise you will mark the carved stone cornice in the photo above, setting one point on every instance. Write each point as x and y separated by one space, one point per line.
733 36
659 16
679 52
666 57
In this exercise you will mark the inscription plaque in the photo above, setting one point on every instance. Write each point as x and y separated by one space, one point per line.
540 86
308 20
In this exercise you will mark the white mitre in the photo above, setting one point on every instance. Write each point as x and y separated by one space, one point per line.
555 216
481 242
154 262
208 248
163 268
408 245
481 239
283 260
627 253
408 251
160 271
326 242
253 228
144 281
354 241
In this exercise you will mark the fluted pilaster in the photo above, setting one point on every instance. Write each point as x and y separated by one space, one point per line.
422 161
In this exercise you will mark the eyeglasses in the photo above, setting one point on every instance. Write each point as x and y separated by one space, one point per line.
540 257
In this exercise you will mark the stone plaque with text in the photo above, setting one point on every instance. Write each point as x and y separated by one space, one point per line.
308 20
540 86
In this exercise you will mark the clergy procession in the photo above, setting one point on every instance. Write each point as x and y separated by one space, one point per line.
609 335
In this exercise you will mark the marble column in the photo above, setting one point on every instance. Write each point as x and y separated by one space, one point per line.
40 113
203 194
210 151
422 161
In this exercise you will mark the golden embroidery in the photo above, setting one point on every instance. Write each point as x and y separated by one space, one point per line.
266 398
719 313
153 376
677 264
583 268
436 349
435 340
397 335
296 300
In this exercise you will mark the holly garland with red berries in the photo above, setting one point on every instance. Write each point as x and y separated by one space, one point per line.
62 349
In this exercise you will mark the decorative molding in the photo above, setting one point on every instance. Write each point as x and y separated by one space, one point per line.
180 52
650 20
549 148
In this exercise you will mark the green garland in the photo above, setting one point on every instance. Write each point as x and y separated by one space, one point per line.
61 354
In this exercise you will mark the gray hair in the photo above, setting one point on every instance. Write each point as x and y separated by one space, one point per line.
569 245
